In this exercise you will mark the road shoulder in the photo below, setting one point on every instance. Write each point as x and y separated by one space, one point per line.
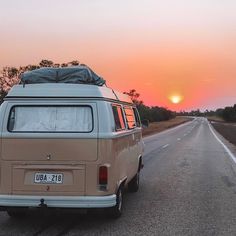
158 127
229 147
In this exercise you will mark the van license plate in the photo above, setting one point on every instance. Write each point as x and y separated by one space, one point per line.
48 178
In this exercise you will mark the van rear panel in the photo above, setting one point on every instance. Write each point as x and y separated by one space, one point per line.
47 163
22 149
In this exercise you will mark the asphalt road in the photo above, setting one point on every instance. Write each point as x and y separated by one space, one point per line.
188 187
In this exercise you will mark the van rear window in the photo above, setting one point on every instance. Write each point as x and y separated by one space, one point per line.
50 119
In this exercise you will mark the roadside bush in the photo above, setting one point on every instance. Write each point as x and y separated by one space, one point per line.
229 114
154 114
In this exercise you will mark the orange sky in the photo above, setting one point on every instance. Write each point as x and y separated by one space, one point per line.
159 48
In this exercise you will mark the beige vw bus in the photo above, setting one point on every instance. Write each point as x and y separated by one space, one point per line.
68 146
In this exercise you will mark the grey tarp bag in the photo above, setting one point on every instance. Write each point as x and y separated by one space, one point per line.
72 75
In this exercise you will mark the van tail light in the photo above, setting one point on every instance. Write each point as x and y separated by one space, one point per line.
103 175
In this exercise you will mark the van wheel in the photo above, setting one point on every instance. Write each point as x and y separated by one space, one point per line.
133 185
116 211
17 213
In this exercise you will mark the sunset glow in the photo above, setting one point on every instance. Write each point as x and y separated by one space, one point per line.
156 47
176 99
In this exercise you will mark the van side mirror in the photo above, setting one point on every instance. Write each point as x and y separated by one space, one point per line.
145 123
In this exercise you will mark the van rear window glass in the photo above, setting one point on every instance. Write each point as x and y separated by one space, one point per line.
118 117
129 113
50 119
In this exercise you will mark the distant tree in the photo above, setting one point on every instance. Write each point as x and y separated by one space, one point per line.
29 68
219 112
8 78
73 63
46 63
144 112
57 65
64 65
134 96
182 113
194 113
160 114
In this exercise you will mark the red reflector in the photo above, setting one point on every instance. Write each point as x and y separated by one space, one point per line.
102 175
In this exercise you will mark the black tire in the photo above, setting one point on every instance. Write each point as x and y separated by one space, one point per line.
133 185
17 212
116 211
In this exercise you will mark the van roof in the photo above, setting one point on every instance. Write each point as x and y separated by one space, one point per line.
52 90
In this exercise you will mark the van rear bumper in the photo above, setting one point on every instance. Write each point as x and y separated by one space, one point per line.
57 201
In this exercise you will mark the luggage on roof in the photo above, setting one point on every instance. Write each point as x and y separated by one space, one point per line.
72 75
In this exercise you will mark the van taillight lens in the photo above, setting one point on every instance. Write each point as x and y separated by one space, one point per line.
103 174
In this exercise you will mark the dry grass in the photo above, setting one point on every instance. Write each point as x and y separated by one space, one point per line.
226 129
215 118
157 127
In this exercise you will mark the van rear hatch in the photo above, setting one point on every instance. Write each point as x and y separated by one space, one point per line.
49 146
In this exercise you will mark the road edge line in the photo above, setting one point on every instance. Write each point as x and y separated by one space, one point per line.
224 146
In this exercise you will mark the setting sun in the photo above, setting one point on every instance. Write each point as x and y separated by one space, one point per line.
176 99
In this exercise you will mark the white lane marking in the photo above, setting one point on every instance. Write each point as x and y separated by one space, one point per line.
165 146
224 146
178 139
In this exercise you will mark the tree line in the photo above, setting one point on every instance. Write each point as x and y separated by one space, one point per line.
228 113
